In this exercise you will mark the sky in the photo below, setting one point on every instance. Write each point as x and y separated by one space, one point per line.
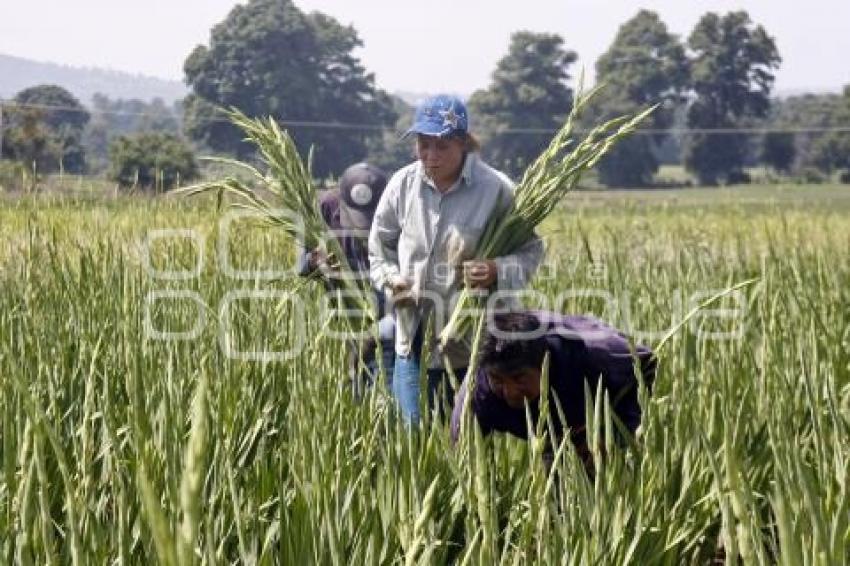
422 46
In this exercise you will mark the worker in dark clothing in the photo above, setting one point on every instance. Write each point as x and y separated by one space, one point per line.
581 350
348 210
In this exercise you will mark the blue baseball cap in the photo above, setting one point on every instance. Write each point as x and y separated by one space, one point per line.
441 115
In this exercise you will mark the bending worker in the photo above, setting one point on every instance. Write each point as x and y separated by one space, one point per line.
581 350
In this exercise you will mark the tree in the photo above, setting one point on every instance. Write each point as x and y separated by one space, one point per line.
389 152
27 139
809 114
115 117
731 72
831 151
44 127
645 65
778 151
528 91
151 160
269 58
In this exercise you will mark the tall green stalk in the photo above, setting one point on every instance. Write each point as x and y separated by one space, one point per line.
544 185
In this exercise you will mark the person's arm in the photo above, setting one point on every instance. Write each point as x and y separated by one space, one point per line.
302 261
626 401
457 412
478 415
515 270
509 272
307 261
384 236
615 360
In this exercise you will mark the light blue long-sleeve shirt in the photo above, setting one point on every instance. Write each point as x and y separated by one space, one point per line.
425 235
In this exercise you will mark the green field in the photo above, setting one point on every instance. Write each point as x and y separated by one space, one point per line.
120 445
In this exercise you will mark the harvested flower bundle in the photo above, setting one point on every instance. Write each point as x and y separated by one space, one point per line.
295 204
550 177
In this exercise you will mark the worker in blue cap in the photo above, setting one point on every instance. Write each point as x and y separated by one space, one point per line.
422 247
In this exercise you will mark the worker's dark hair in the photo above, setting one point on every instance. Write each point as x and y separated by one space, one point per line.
470 142
514 341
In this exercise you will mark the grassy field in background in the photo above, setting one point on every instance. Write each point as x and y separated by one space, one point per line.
121 445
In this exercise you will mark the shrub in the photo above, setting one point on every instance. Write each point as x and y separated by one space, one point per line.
14 176
811 176
44 126
151 160
738 177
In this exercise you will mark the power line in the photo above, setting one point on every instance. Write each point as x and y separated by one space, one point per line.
15 104
759 130
294 123
686 131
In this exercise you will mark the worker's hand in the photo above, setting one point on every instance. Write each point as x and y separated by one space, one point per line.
399 288
480 274
319 259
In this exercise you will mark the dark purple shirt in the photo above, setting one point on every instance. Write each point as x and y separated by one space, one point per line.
356 250
581 348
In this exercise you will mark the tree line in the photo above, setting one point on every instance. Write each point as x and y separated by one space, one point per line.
715 115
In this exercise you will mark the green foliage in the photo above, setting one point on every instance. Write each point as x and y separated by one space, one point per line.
389 152
67 113
732 74
268 58
815 148
44 127
645 65
294 204
632 163
807 111
528 91
831 151
778 151
151 160
810 176
553 174
112 118
647 62
15 176
162 445
28 139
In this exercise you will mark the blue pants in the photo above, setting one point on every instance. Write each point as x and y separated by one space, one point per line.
387 361
364 378
405 387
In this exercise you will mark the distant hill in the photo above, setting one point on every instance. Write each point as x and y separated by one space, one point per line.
17 73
